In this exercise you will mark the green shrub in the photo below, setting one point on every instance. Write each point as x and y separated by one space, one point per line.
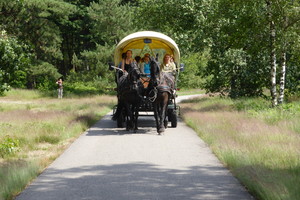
194 65
4 87
43 76
246 104
235 72
87 83
15 60
8 146
261 108
47 138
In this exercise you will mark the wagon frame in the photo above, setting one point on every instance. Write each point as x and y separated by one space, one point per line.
158 44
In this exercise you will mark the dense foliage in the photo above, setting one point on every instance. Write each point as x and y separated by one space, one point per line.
14 62
228 45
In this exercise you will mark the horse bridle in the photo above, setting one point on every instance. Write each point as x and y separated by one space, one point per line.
133 83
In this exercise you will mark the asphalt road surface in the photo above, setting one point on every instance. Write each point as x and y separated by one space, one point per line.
110 163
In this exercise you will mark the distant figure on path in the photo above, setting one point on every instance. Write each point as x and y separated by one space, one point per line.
60 88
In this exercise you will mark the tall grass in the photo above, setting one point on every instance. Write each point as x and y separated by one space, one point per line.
15 176
185 91
259 144
43 127
23 94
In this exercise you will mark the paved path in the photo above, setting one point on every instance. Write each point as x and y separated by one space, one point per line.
111 164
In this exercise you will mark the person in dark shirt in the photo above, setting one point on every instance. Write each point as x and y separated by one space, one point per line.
126 63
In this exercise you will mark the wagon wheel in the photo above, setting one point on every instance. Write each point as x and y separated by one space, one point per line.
166 123
120 120
173 117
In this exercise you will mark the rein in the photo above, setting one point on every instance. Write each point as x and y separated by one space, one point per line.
153 98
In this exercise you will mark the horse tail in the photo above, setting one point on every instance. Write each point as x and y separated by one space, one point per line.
118 111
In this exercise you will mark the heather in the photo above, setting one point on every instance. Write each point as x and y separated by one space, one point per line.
259 144
34 131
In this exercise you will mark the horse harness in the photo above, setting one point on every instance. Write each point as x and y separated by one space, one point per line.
128 84
165 85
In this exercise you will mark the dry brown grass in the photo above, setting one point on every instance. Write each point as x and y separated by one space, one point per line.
29 115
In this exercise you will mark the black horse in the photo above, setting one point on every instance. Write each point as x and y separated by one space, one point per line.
160 90
130 90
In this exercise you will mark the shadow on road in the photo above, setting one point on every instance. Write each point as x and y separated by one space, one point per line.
134 181
106 126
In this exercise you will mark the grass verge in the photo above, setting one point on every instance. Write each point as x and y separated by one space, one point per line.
34 130
186 91
15 175
260 145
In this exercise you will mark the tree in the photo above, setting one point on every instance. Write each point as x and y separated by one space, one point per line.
15 61
237 34
42 76
287 22
182 20
272 35
196 63
260 29
37 23
76 34
96 61
111 21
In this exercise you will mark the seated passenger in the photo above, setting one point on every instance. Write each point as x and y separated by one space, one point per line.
123 57
138 59
145 69
126 62
173 61
118 72
167 65
145 65
168 68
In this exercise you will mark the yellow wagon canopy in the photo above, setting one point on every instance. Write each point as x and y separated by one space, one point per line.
152 39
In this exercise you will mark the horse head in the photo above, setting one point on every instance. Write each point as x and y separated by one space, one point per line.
161 80
134 75
154 71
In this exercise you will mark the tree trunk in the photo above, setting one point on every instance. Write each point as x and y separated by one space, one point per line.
283 65
282 79
272 34
273 66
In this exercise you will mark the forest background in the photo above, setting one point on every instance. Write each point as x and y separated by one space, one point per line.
228 46
231 47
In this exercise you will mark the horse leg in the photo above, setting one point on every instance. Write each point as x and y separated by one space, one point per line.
119 110
163 106
155 108
134 118
131 117
161 127
127 117
136 115
165 109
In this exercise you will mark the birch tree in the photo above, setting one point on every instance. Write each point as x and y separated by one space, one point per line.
266 31
272 35
239 49
288 23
